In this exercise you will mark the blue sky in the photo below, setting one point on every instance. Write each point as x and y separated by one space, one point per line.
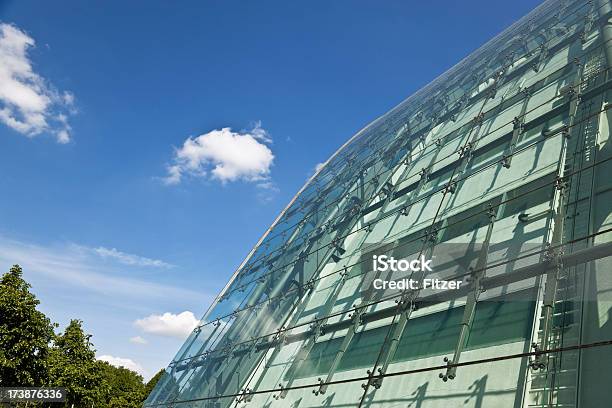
145 147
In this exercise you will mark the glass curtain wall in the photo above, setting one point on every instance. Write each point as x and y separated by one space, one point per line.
499 170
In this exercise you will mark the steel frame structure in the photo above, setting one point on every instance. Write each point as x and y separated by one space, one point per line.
503 159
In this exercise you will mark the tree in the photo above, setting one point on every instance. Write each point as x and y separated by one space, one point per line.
126 388
31 354
72 364
25 333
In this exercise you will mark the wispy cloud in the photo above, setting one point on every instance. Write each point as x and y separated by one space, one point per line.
267 191
225 156
29 104
138 340
69 264
169 324
130 259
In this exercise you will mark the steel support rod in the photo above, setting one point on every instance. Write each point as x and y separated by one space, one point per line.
470 307
517 130
552 276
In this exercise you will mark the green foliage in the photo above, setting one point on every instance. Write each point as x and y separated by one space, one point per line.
72 364
126 388
25 333
31 354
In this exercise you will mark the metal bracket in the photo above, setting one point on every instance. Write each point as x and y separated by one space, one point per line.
491 212
281 335
357 316
537 363
466 150
246 395
320 389
431 235
448 375
281 393
375 382
560 183
565 132
526 92
317 329
451 187
424 173
309 285
505 161
386 190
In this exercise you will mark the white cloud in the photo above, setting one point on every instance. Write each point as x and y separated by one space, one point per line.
123 362
169 324
224 155
319 166
138 340
130 259
28 103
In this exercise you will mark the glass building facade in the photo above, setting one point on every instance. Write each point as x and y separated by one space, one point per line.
500 170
